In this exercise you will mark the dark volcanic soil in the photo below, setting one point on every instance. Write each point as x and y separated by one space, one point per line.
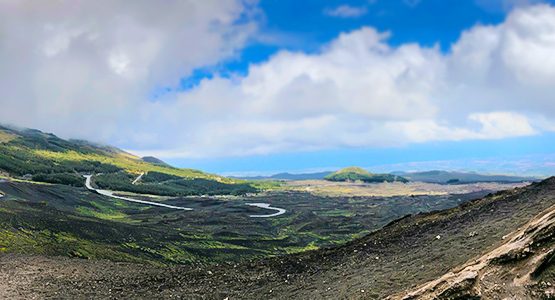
404 254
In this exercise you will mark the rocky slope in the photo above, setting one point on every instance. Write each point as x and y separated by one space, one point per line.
514 270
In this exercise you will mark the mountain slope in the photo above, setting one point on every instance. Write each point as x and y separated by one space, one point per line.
406 253
523 267
32 154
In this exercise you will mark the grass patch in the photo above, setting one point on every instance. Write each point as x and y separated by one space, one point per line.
6 137
336 213
292 250
110 215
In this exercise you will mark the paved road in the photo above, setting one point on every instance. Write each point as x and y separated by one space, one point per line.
280 211
108 193
111 194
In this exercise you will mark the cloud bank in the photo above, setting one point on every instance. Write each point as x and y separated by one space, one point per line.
86 69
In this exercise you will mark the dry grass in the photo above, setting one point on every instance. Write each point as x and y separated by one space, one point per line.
6 137
334 189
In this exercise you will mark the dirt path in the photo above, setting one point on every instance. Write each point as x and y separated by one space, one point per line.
137 179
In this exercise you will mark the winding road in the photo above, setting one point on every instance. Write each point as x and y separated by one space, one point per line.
111 194
280 211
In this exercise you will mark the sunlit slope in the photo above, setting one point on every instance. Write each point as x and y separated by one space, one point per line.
38 156
125 161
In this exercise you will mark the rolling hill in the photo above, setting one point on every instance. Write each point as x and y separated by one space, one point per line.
34 155
359 174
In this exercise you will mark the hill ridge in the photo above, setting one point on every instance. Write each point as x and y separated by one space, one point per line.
31 154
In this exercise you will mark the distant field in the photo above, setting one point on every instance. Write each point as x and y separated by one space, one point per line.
69 221
336 189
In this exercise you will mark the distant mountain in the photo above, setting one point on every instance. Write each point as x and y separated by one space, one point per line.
154 160
434 176
359 174
290 176
437 176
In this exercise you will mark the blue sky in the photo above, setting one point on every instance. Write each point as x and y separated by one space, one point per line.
305 26
516 156
257 87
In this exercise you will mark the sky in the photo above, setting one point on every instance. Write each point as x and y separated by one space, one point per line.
257 87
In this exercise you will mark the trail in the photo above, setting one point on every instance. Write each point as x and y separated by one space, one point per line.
137 179
111 194
280 211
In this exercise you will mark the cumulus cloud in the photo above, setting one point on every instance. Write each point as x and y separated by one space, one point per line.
83 77
346 11
93 62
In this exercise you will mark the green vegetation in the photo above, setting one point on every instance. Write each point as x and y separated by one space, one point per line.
31 154
6 136
60 178
359 174
19 161
169 185
68 221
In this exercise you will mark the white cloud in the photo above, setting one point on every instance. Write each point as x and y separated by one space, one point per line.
65 63
346 11
519 165
84 78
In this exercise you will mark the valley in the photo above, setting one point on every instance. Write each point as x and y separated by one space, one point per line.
402 255
68 221
100 219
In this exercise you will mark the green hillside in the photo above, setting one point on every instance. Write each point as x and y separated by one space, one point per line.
60 220
34 155
359 174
